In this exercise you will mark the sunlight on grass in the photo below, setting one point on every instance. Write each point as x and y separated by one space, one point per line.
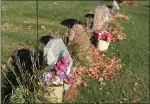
130 83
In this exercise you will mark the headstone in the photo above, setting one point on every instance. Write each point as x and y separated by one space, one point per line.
115 6
52 51
79 36
101 16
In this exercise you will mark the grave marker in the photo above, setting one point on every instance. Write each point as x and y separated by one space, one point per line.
101 16
52 51
115 6
79 36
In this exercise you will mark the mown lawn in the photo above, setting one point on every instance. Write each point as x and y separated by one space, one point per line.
130 83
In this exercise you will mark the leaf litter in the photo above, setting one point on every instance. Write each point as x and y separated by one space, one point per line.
103 68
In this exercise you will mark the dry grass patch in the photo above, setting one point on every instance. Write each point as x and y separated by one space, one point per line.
40 21
11 27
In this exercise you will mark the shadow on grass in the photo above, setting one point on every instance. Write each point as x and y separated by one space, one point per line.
45 39
70 22
22 60
89 15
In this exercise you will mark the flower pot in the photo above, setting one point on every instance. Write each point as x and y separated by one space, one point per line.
103 45
55 94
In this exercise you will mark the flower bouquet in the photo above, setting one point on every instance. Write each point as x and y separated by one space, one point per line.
57 78
104 39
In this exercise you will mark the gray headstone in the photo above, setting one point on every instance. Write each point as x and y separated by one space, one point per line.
101 16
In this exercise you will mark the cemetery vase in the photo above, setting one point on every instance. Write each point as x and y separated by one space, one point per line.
103 45
55 94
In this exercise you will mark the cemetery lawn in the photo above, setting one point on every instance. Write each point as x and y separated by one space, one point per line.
131 83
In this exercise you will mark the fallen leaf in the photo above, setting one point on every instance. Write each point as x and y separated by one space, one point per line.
126 17
70 94
136 100
29 27
43 27
5 27
9 60
3 66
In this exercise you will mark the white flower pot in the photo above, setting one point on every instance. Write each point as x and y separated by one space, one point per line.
103 45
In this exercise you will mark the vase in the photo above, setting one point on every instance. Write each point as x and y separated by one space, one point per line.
103 45
55 94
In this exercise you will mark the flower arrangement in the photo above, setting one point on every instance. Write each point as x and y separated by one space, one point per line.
104 38
59 75
104 35
39 87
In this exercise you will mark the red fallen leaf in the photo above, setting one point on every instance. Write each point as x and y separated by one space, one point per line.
95 73
126 17
136 100
72 91
119 15
109 76
133 3
80 71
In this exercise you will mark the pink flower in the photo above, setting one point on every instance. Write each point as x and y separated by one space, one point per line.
64 61
61 65
97 32
105 35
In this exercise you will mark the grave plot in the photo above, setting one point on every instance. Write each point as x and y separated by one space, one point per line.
62 76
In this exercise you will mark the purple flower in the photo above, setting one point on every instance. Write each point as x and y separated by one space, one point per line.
47 77
62 76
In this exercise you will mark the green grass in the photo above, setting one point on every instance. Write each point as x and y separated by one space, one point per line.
133 51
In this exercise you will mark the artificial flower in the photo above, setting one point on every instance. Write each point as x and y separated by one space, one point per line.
105 35
47 77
